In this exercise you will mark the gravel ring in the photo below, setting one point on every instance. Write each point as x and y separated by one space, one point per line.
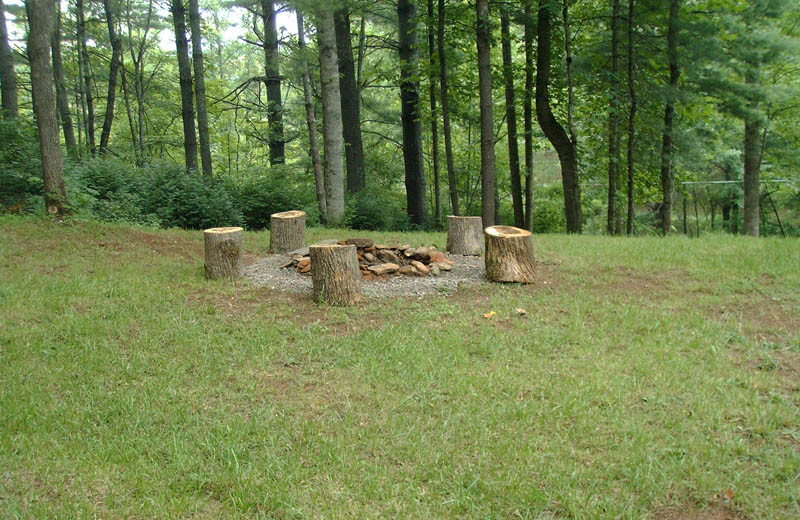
468 270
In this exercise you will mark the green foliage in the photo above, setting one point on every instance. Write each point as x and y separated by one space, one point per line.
20 166
548 213
158 194
377 209
261 196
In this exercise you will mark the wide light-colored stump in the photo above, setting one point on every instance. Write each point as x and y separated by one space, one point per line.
224 248
335 274
287 231
464 235
509 255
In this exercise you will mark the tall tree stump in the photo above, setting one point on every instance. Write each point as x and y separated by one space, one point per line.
464 235
224 248
335 274
509 255
287 231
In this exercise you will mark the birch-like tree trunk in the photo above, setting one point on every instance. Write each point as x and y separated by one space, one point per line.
331 116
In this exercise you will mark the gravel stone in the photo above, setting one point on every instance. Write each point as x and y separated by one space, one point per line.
467 270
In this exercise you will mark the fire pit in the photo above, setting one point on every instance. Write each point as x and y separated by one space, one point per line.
379 261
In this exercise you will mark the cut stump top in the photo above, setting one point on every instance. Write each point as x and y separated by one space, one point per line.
506 231
289 214
221 230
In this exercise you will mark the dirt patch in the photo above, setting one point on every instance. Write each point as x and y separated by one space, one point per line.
760 317
714 512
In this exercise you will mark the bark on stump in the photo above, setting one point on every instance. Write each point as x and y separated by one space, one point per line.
224 248
509 255
287 231
335 274
464 235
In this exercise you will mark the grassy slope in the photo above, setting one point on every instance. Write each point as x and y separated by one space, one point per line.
651 378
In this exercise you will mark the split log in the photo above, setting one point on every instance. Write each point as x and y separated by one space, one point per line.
287 231
223 251
464 235
335 274
509 255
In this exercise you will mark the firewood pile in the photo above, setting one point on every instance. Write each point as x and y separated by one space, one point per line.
377 261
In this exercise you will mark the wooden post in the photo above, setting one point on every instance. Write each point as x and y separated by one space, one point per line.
335 274
509 255
224 248
464 235
287 231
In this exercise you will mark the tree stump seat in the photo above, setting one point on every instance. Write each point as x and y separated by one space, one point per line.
223 251
287 231
335 274
464 235
509 255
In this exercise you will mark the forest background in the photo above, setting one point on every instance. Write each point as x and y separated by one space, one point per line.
637 117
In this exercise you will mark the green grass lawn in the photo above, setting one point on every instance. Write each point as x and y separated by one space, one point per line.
652 378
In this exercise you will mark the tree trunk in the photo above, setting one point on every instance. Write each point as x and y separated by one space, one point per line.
200 87
223 252
273 81
335 275
464 235
41 19
511 121
528 115
631 121
62 99
437 196
331 117
87 77
128 112
488 179
311 122
185 71
452 183
410 114
565 147
752 159
509 255
351 113
613 124
667 172
113 71
287 231
8 76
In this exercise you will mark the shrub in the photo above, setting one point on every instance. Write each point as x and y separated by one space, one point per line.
21 183
260 196
377 210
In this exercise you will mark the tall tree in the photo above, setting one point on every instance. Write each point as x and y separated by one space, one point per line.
273 82
631 119
113 72
62 99
200 87
331 116
752 156
351 113
488 175
566 148
528 114
311 121
410 114
613 225
185 72
41 20
87 77
452 182
667 170
437 197
511 120
8 76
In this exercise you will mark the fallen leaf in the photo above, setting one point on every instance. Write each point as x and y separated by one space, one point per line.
489 315
729 494
522 312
